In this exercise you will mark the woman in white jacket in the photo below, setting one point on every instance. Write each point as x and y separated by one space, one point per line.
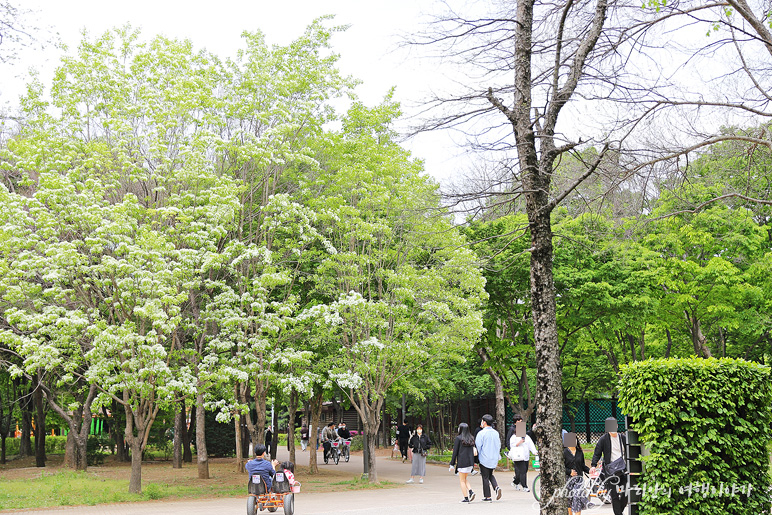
520 450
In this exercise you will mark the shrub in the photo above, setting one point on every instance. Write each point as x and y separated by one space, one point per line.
706 424
357 442
94 454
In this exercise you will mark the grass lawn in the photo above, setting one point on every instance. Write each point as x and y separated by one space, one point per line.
26 486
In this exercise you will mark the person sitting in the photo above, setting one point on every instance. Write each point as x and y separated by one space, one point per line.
285 477
343 432
259 466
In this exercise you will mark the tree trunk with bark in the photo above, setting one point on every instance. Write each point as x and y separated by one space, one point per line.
313 430
202 458
78 423
40 424
179 423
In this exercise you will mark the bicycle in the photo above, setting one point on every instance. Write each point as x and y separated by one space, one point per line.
346 449
593 485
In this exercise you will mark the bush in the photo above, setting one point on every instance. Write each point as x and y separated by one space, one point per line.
54 445
357 442
706 424
94 454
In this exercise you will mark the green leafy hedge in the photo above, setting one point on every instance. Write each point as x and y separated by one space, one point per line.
54 445
706 424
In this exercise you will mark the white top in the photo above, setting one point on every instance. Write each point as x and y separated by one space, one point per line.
520 449
616 448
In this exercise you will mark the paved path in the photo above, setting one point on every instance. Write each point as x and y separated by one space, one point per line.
439 495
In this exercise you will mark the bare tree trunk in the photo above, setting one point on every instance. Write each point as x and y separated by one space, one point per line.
179 423
40 425
135 479
202 458
313 429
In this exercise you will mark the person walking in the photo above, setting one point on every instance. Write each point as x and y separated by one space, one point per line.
611 447
573 457
304 437
268 439
462 461
488 444
520 450
507 440
420 444
403 438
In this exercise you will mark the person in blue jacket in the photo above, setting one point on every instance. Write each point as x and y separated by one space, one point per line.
262 467
488 444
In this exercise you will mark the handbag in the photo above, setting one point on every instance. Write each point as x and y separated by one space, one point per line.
615 467
619 465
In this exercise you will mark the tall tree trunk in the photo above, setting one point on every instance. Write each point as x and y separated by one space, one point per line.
313 430
135 479
548 371
78 424
202 458
25 443
40 425
179 423
669 343
2 449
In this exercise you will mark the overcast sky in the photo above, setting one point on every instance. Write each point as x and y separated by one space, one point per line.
369 49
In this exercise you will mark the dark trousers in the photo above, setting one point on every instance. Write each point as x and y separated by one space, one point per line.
618 499
521 473
488 480
327 446
403 448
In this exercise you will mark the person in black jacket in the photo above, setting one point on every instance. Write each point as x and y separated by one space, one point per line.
420 444
612 447
462 460
403 437
575 469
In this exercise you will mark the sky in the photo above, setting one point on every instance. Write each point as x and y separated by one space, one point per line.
370 49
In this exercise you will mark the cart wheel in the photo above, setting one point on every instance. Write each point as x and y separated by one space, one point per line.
348 455
336 458
251 505
326 460
289 504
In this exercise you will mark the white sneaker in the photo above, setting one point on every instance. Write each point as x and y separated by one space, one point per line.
526 490
420 480
410 481
518 488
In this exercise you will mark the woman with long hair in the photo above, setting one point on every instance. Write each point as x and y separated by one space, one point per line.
420 444
463 459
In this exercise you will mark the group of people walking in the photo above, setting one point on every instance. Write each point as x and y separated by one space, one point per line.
482 446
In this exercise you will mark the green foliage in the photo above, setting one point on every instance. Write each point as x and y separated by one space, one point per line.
220 437
705 422
94 453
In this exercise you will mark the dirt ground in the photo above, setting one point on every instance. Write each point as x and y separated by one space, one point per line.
224 470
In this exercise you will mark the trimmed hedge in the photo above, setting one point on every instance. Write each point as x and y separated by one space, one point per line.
54 445
706 424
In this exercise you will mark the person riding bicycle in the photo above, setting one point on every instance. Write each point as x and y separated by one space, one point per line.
343 432
328 436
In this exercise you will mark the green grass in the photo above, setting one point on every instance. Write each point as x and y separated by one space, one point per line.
360 483
69 488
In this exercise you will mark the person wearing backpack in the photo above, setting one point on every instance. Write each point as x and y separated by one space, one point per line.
611 447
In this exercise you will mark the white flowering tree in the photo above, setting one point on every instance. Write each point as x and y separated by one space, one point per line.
402 288
125 207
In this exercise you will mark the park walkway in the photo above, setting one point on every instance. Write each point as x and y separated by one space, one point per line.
439 495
